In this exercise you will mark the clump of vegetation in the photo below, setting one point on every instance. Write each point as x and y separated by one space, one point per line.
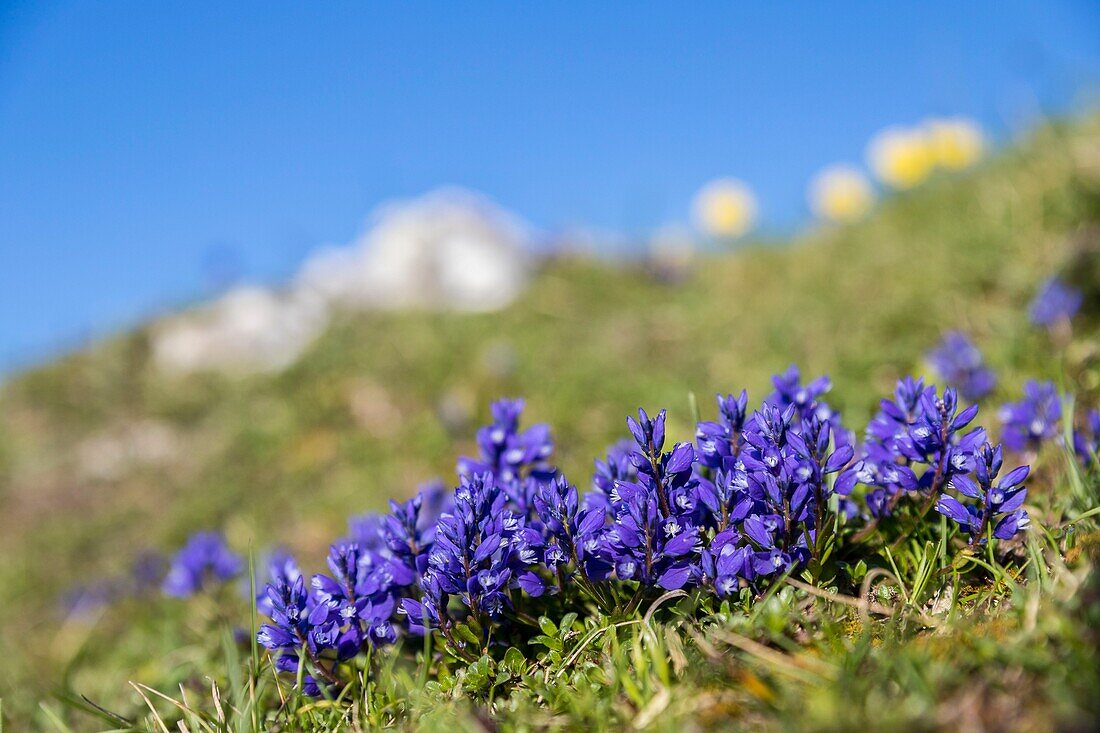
772 500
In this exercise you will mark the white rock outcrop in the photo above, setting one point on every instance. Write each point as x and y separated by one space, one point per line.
248 329
451 249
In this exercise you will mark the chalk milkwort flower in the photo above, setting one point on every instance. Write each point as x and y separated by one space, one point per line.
293 634
1086 440
654 536
719 443
960 365
568 528
718 450
482 551
342 613
359 597
718 446
481 547
517 460
883 464
771 504
919 430
936 439
1032 421
999 503
807 401
785 473
789 391
204 558
281 568
616 466
1056 302
406 534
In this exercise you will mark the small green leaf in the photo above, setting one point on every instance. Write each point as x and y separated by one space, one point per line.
547 626
514 661
550 642
466 634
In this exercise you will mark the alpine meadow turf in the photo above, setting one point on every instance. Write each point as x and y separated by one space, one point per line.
903 611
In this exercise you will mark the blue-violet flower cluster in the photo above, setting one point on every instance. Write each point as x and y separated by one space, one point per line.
759 494
960 364
1055 303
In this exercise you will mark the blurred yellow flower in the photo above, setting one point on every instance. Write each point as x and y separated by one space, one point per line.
956 142
840 193
900 157
725 208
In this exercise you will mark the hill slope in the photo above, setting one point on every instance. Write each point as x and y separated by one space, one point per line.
101 457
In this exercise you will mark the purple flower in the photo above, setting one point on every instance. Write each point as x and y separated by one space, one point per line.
768 501
482 550
413 521
358 599
508 453
726 498
987 505
719 443
1086 440
148 570
915 443
935 438
1029 423
365 530
789 390
282 568
668 476
649 545
751 500
394 551
298 628
407 537
960 365
784 472
727 562
203 558
654 536
807 403
1055 302
883 465
616 467
565 526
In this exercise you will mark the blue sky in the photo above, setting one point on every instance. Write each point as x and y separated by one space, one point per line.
145 145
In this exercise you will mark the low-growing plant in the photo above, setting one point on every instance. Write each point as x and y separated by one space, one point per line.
511 579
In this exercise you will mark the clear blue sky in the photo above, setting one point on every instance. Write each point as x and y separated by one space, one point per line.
142 141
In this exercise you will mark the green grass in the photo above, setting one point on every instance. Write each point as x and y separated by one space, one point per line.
286 458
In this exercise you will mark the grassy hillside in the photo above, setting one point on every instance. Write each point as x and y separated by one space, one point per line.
102 457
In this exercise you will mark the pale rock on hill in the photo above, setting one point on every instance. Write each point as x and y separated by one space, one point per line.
451 249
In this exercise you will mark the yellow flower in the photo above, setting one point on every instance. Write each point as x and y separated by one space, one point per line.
725 208
840 193
956 142
900 157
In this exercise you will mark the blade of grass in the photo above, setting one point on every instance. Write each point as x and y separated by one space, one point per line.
54 718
